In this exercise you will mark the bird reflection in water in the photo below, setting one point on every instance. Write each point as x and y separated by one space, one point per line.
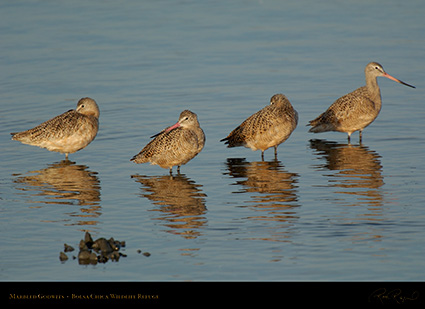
64 183
274 193
181 199
356 175
357 170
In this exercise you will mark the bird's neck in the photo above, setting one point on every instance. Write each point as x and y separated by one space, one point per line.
374 91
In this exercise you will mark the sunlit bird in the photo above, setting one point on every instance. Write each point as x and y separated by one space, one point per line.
269 127
175 145
355 110
66 133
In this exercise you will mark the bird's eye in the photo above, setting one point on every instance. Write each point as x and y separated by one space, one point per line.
82 106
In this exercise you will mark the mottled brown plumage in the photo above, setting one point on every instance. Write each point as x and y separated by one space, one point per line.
267 128
356 110
65 133
175 145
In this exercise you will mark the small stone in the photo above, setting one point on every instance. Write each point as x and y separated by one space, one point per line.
103 245
115 245
114 256
102 258
63 256
83 245
146 254
68 248
84 255
88 240
93 257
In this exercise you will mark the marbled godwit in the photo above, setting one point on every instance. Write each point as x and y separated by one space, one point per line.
66 133
175 145
267 128
356 110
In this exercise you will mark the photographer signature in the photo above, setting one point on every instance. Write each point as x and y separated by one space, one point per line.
392 296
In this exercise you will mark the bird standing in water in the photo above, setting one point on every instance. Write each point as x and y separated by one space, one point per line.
66 133
355 110
267 128
175 145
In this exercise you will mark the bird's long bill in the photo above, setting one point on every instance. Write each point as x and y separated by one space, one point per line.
397 80
172 127
167 129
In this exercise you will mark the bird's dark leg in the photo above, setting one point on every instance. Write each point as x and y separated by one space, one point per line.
360 136
178 169
171 171
349 138
275 152
262 155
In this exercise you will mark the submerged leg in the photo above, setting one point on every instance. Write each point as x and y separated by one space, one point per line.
178 169
262 155
275 152
360 135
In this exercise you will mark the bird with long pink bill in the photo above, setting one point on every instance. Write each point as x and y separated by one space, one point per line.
174 146
355 110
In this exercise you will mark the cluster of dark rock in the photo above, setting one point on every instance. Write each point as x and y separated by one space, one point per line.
100 250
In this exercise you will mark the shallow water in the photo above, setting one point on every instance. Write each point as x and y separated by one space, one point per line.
323 210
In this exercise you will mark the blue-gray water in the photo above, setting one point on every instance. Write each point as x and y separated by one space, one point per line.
324 211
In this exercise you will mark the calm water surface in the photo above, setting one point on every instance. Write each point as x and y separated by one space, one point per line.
323 210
